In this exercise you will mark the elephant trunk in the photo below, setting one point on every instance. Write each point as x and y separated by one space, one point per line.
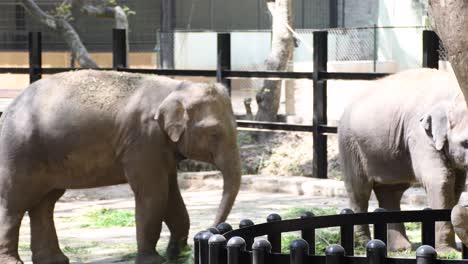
231 170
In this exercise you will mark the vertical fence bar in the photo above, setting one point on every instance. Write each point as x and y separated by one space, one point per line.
376 252
224 59
196 247
334 254
464 251
217 250
248 240
299 250
119 48
274 238
430 46
260 251
308 234
347 234
235 246
319 162
375 48
380 229
35 56
426 255
428 231
204 247
224 227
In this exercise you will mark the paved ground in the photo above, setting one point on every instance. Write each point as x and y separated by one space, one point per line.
255 201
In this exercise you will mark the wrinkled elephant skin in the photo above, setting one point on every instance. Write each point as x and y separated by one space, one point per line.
90 128
459 217
406 128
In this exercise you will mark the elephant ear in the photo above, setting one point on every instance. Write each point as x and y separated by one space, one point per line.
172 118
435 123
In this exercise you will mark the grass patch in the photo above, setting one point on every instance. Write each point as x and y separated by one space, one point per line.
105 218
185 257
296 212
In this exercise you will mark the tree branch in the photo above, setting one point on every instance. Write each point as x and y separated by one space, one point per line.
36 12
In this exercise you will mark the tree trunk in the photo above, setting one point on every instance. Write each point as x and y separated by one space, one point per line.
450 21
282 45
167 34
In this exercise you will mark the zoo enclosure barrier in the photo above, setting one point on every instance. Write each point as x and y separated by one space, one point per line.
223 74
222 245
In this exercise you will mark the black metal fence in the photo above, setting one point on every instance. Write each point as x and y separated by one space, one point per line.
223 74
222 245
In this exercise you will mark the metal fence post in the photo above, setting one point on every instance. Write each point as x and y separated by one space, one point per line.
380 229
274 238
299 249
235 246
334 254
347 234
196 247
250 240
260 251
224 227
426 255
376 251
119 48
309 233
430 47
35 56
217 249
204 247
428 232
319 162
224 59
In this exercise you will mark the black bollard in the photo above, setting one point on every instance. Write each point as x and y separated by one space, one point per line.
217 249
334 254
196 247
308 234
224 228
248 240
428 231
380 229
299 249
234 247
260 251
274 238
376 252
426 255
213 230
204 247
347 234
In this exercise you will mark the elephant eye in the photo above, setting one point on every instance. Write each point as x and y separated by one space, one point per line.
464 143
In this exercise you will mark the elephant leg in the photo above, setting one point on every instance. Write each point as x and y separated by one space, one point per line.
176 219
389 197
44 243
10 222
460 180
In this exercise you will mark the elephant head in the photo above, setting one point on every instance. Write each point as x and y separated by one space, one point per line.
199 119
459 217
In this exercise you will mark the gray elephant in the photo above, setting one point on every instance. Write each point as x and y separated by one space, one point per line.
406 128
459 217
92 128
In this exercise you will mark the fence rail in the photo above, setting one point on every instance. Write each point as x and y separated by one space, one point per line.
224 74
223 245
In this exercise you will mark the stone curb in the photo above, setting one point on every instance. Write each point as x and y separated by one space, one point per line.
292 185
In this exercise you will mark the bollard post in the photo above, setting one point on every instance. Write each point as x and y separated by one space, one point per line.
224 228
196 247
376 252
274 238
308 234
235 246
334 254
430 47
119 48
347 234
380 229
204 247
428 232
319 161
464 251
260 251
224 59
299 250
426 255
248 240
217 250
213 230
35 56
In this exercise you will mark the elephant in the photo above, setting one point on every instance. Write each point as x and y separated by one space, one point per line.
91 128
459 218
410 127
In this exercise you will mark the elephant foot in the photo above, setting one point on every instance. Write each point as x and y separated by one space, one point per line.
7 259
59 258
153 258
445 248
174 248
398 241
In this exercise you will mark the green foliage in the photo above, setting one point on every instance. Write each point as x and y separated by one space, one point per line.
128 11
296 212
104 218
63 11
185 257
413 226
244 138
